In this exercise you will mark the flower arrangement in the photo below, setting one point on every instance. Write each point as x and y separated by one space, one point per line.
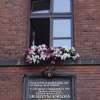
44 54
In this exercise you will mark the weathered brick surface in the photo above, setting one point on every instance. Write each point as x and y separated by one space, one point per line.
87 81
87 27
13 28
10 87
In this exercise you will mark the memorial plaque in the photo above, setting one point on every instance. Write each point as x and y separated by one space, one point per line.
58 88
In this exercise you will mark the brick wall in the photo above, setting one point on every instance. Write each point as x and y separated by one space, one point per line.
87 27
13 28
87 81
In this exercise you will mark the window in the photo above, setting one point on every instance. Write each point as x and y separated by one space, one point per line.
40 6
61 6
51 23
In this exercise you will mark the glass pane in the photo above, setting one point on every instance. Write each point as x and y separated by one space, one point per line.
62 28
66 43
61 6
40 31
40 6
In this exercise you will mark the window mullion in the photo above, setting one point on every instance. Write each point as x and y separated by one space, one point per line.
51 23
71 32
51 6
61 37
61 15
40 15
51 31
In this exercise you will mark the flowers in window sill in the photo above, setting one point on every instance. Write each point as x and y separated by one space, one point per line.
43 54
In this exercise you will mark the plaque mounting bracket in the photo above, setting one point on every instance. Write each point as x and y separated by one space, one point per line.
49 72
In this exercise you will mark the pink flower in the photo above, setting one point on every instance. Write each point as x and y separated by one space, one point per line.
36 54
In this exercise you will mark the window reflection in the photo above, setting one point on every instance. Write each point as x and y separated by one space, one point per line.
66 43
62 28
61 6
40 6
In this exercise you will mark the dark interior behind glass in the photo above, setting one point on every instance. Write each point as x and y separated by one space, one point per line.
40 5
40 31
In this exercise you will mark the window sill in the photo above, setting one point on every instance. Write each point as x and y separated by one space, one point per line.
20 62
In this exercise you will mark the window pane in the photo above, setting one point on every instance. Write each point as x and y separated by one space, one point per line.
61 6
40 31
62 28
40 6
66 43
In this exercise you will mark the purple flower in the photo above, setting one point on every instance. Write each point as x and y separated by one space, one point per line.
36 54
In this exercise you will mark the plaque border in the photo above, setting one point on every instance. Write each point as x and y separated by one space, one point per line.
70 76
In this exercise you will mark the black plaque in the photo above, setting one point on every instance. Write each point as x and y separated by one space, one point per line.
57 88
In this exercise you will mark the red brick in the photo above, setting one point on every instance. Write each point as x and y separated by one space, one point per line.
13 28
87 81
86 27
